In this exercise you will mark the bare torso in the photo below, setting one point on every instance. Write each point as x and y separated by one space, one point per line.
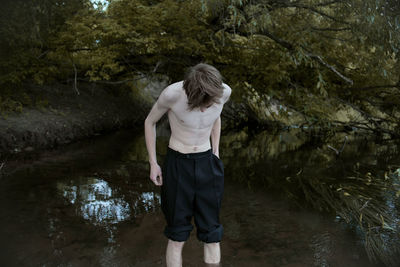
191 130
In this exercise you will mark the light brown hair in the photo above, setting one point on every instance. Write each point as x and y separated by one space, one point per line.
203 85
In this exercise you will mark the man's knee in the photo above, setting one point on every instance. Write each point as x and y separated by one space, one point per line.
211 244
211 247
176 244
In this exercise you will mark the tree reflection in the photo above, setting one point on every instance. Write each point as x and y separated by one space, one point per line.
357 183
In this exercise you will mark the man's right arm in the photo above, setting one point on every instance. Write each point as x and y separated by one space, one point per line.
160 107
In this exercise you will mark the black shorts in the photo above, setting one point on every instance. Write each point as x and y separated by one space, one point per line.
193 185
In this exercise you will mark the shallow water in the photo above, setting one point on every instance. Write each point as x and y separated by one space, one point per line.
91 204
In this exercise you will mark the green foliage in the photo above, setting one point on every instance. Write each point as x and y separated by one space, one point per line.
13 99
27 28
304 53
313 52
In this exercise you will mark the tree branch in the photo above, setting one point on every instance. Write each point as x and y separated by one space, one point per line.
329 3
377 87
332 68
331 29
313 9
334 38
80 49
108 82
291 48
75 79
282 42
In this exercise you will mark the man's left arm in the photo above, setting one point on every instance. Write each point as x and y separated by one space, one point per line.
215 136
216 129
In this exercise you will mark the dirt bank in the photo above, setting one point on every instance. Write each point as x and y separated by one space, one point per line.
64 116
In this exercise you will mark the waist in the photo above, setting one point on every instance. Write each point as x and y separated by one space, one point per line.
176 145
189 155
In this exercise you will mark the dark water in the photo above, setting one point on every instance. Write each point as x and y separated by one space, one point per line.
289 200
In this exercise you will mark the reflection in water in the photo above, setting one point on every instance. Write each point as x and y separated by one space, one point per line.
147 200
96 201
359 184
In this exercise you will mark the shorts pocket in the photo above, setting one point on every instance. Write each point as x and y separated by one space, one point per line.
169 188
218 160
164 164
218 172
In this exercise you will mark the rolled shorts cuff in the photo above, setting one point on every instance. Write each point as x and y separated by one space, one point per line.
212 236
178 233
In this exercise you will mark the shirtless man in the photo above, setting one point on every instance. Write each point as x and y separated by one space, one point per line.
191 177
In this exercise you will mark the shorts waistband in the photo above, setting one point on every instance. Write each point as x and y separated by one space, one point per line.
194 155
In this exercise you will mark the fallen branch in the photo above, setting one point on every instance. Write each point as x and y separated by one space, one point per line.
341 149
370 117
107 82
157 65
75 80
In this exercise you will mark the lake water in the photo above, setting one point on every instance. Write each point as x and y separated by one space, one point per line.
289 200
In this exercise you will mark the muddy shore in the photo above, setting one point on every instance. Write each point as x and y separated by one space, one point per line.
63 116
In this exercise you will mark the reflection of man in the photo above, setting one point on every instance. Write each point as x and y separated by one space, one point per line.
192 175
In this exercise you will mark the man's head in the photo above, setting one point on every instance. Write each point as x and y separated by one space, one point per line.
203 85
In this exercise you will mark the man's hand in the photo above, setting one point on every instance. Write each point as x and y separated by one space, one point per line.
156 174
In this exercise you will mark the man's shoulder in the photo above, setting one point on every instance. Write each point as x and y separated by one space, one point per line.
227 88
227 92
172 92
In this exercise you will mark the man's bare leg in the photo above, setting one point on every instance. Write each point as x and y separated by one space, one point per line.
212 253
174 253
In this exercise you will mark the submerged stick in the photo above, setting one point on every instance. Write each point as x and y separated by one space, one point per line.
338 151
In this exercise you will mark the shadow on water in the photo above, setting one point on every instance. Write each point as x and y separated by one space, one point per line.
288 201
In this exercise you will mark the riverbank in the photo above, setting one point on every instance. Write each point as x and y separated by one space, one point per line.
59 116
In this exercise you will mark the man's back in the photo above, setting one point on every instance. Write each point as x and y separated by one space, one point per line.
190 130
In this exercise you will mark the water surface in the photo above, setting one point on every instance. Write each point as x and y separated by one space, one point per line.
92 204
